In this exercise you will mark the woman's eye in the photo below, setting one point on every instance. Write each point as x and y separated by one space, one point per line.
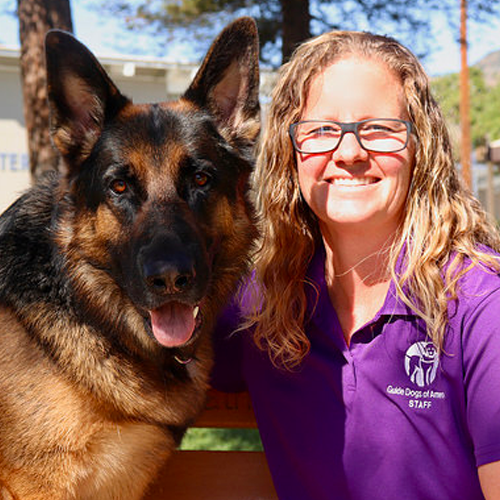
324 130
201 179
377 128
119 186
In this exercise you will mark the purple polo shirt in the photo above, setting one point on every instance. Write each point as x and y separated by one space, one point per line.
385 418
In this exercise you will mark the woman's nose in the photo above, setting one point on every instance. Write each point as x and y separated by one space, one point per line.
349 150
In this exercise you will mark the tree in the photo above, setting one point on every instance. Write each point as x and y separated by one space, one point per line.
485 103
36 17
283 24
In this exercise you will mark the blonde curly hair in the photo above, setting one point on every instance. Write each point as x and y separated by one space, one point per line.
443 223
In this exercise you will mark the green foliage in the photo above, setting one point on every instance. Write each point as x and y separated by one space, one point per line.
222 439
486 123
485 106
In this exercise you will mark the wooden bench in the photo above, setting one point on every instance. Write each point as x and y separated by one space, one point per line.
217 475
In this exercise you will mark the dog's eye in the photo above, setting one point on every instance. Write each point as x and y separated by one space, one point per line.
118 186
201 179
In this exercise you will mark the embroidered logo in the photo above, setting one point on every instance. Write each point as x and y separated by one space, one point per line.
421 363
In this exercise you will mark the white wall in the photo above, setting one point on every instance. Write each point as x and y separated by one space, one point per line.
14 163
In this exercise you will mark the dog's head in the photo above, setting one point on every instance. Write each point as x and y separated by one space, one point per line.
159 214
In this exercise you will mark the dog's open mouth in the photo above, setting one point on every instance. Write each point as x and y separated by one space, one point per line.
174 323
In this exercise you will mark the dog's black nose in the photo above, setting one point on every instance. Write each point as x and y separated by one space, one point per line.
167 277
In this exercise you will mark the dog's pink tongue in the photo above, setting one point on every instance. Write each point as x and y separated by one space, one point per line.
173 324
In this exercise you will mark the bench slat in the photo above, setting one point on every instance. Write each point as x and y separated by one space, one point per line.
214 475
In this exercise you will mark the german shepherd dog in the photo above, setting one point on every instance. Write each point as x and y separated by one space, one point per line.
112 273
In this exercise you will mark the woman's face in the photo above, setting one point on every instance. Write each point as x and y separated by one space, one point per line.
351 187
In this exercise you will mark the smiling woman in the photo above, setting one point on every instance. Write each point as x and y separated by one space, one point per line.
375 293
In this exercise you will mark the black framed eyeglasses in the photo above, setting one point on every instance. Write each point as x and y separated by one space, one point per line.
380 135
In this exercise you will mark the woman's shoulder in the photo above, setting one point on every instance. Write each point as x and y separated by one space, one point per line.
480 278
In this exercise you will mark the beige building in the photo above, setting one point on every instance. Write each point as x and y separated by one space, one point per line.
144 80
14 168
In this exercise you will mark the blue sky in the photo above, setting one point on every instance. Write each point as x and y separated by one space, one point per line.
105 36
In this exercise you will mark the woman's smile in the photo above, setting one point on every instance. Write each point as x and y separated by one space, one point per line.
352 182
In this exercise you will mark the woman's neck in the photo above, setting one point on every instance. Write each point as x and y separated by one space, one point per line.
357 274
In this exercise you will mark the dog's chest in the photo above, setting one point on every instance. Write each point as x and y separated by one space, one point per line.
122 460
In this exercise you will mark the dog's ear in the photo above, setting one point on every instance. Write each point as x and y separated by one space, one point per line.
81 96
227 83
